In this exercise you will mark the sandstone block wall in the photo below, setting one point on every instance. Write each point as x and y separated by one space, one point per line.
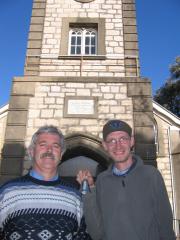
47 51
47 107
166 163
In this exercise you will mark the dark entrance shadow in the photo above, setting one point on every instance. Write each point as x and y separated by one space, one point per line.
83 152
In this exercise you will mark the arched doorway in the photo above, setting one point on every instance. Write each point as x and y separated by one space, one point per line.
83 152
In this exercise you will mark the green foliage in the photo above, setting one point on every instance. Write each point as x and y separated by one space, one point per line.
169 94
175 70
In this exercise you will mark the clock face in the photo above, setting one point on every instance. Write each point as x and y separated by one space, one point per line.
84 1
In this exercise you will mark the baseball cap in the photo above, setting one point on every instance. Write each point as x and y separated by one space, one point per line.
116 125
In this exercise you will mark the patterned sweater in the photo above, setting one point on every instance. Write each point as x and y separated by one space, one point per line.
32 209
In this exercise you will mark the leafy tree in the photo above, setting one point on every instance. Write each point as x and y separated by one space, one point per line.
175 70
169 94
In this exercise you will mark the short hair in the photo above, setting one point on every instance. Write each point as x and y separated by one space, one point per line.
48 129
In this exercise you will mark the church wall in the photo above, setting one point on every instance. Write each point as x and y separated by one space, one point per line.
47 57
168 161
48 106
47 50
55 38
163 151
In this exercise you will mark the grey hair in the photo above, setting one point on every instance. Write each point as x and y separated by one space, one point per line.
48 129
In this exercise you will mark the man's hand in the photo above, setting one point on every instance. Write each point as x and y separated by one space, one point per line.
85 174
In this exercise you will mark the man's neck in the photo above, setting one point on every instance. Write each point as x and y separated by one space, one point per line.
45 176
124 165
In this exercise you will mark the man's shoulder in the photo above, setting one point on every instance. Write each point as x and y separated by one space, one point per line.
149 171
150 168
147 168
14 182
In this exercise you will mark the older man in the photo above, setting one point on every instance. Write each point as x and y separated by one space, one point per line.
41 205
130 199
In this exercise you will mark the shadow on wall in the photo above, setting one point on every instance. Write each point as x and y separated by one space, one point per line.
12 161
145 147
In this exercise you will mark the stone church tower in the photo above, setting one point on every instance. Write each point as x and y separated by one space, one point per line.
81 69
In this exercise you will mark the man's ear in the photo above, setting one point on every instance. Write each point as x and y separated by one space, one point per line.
62 155
132 141
104 145
30 152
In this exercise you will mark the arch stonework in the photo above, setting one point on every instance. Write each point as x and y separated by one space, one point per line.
83 151
86 145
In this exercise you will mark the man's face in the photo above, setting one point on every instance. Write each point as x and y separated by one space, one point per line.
118 144
46 153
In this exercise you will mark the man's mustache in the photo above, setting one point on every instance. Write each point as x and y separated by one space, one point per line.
47 154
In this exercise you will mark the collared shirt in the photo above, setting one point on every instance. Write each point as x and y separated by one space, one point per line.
118 172
36 175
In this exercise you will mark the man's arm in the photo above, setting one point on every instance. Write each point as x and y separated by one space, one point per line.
90 207
92 215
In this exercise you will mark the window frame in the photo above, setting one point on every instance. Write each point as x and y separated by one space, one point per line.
96 23
83 35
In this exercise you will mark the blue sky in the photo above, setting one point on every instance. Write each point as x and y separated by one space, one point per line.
158 24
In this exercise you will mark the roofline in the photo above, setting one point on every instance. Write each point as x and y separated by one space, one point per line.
165 113
4 110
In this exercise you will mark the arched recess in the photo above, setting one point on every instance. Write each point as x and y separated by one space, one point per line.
83 151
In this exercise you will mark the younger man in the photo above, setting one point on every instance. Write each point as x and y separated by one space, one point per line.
129 201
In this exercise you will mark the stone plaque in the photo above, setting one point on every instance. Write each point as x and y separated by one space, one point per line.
80 106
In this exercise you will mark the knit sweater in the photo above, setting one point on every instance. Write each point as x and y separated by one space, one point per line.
41 210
